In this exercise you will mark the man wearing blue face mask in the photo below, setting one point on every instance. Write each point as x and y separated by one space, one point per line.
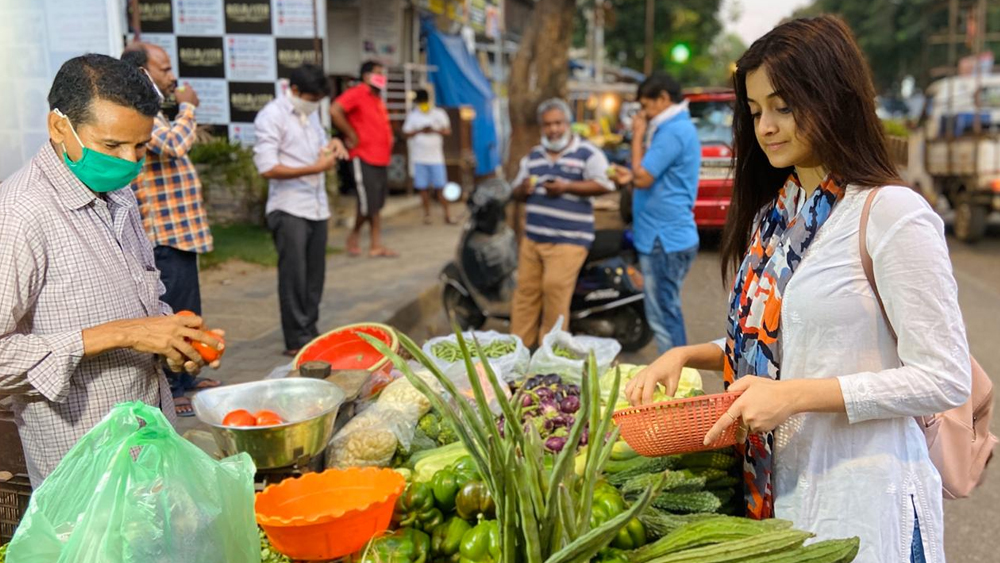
82 327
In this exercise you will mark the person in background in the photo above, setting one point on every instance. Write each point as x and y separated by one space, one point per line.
169 194
426 127
557 179
361 116
292 151
82 326
666 158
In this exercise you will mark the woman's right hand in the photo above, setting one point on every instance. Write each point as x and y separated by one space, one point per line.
666 371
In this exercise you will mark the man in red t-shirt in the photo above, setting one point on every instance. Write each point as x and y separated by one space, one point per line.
361 115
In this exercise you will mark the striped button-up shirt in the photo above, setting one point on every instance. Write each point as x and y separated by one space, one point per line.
568 218
286 137
169 191
70 260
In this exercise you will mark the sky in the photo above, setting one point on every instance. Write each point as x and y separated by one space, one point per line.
758 16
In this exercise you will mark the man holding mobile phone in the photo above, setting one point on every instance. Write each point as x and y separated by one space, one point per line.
557 179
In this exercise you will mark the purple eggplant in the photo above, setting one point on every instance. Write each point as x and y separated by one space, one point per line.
544 393
570 404
551 379
555 443
527 401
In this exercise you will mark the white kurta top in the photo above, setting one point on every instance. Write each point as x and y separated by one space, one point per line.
848 475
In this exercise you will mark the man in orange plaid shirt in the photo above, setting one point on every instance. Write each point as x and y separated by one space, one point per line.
170 200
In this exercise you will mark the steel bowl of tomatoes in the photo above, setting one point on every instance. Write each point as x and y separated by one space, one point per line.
279 422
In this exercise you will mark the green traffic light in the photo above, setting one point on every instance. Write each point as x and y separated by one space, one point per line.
680 53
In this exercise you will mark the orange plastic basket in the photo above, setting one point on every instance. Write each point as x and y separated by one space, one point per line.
323 516
676 427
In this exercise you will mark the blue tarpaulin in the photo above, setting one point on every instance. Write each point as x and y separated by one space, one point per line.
458 81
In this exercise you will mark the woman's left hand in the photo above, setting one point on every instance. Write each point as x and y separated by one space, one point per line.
764 404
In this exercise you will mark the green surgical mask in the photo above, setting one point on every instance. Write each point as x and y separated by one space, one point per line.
100 172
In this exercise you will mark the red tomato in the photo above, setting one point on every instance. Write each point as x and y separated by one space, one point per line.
239 417
208 353
268 418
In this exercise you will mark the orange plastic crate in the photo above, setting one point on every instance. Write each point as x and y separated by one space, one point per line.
676 427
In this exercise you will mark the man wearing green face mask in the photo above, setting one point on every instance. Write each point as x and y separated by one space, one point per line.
82 327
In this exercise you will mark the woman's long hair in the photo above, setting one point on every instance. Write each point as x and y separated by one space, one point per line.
819 71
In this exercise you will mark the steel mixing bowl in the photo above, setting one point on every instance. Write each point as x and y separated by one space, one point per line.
309 407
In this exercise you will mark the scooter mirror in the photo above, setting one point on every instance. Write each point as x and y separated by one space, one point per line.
452 192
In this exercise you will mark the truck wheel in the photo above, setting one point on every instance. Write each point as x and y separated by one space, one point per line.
970 220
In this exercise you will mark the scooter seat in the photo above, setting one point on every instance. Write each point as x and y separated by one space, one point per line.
607 244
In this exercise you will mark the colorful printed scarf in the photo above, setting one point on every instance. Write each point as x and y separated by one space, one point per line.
753 347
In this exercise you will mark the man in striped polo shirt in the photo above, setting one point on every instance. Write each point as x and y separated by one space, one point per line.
557 179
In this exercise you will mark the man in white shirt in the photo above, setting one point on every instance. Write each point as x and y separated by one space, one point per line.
293 153
426 127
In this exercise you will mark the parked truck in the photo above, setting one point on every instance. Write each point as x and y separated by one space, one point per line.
954 153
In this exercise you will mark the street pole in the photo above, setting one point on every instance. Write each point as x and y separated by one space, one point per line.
650 27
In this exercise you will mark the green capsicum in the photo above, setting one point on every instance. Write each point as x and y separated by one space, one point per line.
405 545
474 499
446 540
610 555
447 482
415 508
632 536
481 544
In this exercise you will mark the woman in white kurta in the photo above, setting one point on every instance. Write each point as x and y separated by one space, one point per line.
833 445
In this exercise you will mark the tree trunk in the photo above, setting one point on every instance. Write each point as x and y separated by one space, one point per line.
539 72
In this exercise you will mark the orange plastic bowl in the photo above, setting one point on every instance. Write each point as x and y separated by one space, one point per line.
676 427
322 516
342 348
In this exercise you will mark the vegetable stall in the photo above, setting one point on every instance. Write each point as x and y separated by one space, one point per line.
460 452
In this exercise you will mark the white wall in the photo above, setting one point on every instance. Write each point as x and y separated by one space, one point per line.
36 38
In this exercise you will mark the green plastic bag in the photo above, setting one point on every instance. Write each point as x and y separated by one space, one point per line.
133 491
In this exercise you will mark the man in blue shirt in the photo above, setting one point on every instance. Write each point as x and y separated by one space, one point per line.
666 157
557 179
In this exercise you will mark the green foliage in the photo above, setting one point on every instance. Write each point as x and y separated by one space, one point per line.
895 35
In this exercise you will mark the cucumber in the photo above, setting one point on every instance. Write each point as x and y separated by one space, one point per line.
710 531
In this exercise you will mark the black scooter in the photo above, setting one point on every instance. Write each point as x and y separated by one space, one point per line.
479 284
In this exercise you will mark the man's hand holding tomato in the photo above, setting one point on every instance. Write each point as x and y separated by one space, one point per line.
208 344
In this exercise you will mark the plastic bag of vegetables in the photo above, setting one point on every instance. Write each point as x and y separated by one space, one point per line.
506 354
563 354
133 491
373 437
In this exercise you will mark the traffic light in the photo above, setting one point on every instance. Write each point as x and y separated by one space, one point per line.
680 53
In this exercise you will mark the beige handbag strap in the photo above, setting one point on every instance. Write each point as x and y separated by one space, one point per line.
866 258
